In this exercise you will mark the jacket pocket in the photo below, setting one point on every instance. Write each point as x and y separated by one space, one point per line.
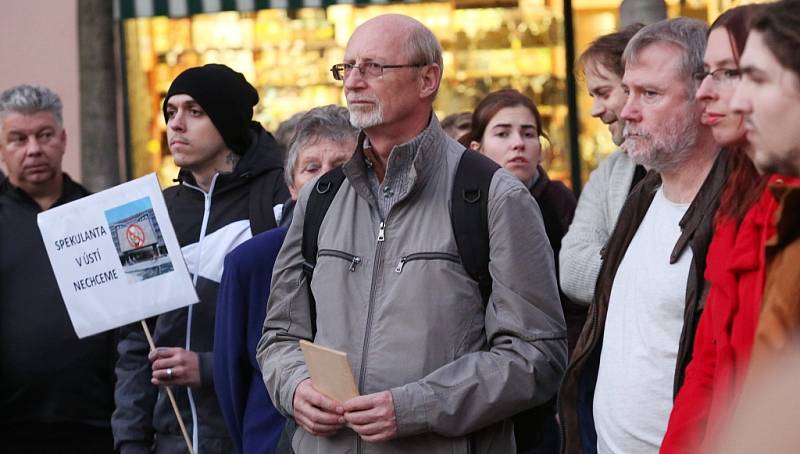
426 256
353 260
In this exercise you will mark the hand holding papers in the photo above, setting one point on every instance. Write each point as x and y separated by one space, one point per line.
330 371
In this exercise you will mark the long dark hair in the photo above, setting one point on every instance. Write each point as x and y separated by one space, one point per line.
744 186
495 102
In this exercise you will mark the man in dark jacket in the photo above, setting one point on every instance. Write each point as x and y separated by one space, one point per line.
56 390
231 183
618 391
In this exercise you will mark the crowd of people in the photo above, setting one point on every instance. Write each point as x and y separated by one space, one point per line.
483 308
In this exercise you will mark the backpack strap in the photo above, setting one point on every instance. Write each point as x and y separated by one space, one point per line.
470 218
317 206
469 215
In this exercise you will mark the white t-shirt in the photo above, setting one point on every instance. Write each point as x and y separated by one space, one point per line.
633 397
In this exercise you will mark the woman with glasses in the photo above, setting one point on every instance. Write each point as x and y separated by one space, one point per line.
736 261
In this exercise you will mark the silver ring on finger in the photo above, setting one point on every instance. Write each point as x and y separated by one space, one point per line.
169 373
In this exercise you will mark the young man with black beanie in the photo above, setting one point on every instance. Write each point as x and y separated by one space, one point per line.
230 184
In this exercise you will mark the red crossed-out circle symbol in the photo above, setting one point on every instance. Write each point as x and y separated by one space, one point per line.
135 235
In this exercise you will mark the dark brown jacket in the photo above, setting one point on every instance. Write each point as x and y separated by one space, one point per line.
779 324
577 389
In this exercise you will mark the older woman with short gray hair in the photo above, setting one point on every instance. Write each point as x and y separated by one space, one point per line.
323 139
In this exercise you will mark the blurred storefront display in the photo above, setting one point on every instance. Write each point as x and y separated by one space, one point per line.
285 48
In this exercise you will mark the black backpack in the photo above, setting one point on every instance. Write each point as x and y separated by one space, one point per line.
469 217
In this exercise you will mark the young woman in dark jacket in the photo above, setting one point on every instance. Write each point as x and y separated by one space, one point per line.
507 127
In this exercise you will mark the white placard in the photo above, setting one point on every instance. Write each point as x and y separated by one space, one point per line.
116 257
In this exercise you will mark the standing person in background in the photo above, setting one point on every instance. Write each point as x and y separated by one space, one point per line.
325 139
736 260
630 358
285 131
230 186
56 391
322 146
507 128
457 124
608 186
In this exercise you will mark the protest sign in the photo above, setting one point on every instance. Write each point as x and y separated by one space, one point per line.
116 257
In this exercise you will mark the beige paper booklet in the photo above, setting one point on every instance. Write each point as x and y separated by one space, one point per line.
330 371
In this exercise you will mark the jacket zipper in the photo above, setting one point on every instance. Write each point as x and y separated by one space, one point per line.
426 256
365 348
353 259
188 345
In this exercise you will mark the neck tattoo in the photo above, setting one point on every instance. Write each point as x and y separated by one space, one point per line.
231 160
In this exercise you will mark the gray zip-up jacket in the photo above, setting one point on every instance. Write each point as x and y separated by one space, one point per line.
391 292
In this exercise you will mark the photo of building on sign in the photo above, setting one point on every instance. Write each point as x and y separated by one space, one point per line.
137 237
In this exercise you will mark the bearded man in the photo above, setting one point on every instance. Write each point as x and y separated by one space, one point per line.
630 358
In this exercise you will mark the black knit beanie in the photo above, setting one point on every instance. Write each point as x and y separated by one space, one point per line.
225 95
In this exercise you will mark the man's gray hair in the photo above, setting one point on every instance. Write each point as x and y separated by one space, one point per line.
30 99
423 47
688 34
329 122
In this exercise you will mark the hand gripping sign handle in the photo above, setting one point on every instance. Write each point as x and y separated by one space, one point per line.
169 393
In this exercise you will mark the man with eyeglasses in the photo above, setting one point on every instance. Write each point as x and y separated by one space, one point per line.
438 371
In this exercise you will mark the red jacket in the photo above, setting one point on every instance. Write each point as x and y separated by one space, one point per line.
724 339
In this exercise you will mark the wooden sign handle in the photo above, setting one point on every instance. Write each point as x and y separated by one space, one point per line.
169 393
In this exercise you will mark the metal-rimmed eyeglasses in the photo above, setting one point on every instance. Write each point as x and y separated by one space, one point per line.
720 76
368 69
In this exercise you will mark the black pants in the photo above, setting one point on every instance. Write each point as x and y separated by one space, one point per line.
67 438
285 442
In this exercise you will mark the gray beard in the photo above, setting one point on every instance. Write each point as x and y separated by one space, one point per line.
670 148
367 119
